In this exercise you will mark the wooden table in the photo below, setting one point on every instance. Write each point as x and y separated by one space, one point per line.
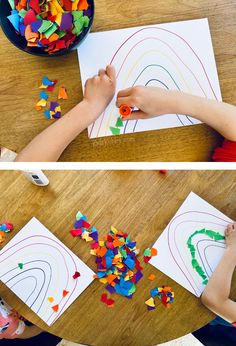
21 74
138 202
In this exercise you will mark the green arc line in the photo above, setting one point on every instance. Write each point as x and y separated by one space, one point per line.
196 266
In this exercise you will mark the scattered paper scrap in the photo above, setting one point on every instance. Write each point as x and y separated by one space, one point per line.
51 299
55 307
43 95
116 257
6 227
64 293
152 277
20 265
108 301
163 171
2 237
62 94
76 275
47 84
148 254
50 26
164 294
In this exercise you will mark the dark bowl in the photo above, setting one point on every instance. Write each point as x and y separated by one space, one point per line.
21 43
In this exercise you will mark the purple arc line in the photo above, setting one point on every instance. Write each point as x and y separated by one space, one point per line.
65 249
171 252
177 86
136 122
180 223
198 58
209 240
41 289
30 276
223 247
22 272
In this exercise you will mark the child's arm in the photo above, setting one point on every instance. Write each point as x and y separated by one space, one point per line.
49 144
153 101
217 291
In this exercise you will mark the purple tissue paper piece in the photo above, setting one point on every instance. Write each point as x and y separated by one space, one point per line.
139 275
66 21
57 115
88 12
94 236
130 297
36 25
78 224
53 105
151 308
110 289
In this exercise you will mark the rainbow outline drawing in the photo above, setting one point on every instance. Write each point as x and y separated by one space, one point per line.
174 258
166 55
48 267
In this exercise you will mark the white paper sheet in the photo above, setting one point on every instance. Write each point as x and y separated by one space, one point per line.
48 269
174 257
172 56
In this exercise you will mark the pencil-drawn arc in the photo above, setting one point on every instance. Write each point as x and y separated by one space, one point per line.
106 124
41 261
150 28
177 86
153 38
136 122
181 38
27 277
34 244
76 281
199 254
178 248
206 248
27 270
163 84
205 260
169 240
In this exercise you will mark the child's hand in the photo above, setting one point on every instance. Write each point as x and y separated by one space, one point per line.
230 235
100 90
150 101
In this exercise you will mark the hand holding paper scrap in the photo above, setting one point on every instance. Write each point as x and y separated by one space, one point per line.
49 25
192 244
170 56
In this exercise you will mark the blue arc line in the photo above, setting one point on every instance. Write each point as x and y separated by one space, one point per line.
136 122
222 247
43 282
211 241
156 65
30 276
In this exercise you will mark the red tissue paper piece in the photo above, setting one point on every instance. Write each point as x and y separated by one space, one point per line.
55 308
30 17
65 293
76 275
226 153
76 232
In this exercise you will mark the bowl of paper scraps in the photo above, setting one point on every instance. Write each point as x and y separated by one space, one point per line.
46 27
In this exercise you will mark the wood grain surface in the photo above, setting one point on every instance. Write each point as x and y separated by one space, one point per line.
20 76
140 203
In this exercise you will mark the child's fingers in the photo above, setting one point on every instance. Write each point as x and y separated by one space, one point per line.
135 115
111 72
125 101
125 92
101 72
